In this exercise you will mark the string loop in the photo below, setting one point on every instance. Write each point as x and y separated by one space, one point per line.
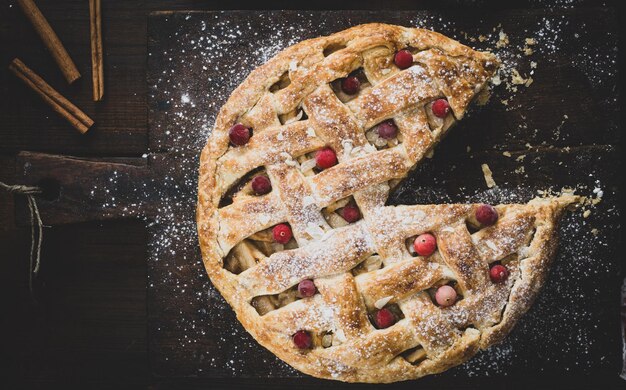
36 235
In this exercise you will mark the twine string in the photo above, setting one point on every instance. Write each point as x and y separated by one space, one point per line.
36 234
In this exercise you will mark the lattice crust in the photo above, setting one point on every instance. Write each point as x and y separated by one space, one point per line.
294 108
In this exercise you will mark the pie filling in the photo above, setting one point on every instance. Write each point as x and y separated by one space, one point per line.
415 355
283 82
241 188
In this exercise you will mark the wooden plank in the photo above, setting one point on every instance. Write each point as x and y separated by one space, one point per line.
96 189
90 322
79 189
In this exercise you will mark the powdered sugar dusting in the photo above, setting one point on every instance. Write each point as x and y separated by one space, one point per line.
204 60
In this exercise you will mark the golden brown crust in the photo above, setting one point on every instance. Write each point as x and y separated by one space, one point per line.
270 100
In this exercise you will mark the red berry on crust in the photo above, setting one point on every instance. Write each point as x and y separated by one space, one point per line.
306 288
239 134
350 85
387 130
441 108
498 273
403 59
384 318
325 158
261 185
425 244
282 233
486 214
350 213
302 339
445 296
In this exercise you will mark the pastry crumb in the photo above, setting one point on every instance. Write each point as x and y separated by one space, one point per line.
488 176
503 40
516 77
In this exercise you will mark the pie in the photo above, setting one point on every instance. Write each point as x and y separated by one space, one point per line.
293 222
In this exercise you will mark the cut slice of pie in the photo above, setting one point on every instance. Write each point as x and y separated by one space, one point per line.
295 232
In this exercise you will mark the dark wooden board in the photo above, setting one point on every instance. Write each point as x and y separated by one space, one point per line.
193 66
193 333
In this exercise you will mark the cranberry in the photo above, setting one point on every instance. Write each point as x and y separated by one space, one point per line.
282 233
498 273
261 185
425 244
325 158
441 108
302 339
350 213
350 85
403 59
445 296
384 318
486 214
306 288
239 134
387 130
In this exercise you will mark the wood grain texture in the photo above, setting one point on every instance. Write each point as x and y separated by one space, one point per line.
90 320
93 328
77 189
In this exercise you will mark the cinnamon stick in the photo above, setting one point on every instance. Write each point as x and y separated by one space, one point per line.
97 72
50 39
61 105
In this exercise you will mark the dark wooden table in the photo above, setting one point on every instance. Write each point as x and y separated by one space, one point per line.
90 326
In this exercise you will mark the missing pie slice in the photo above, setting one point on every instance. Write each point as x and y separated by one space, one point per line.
293 222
